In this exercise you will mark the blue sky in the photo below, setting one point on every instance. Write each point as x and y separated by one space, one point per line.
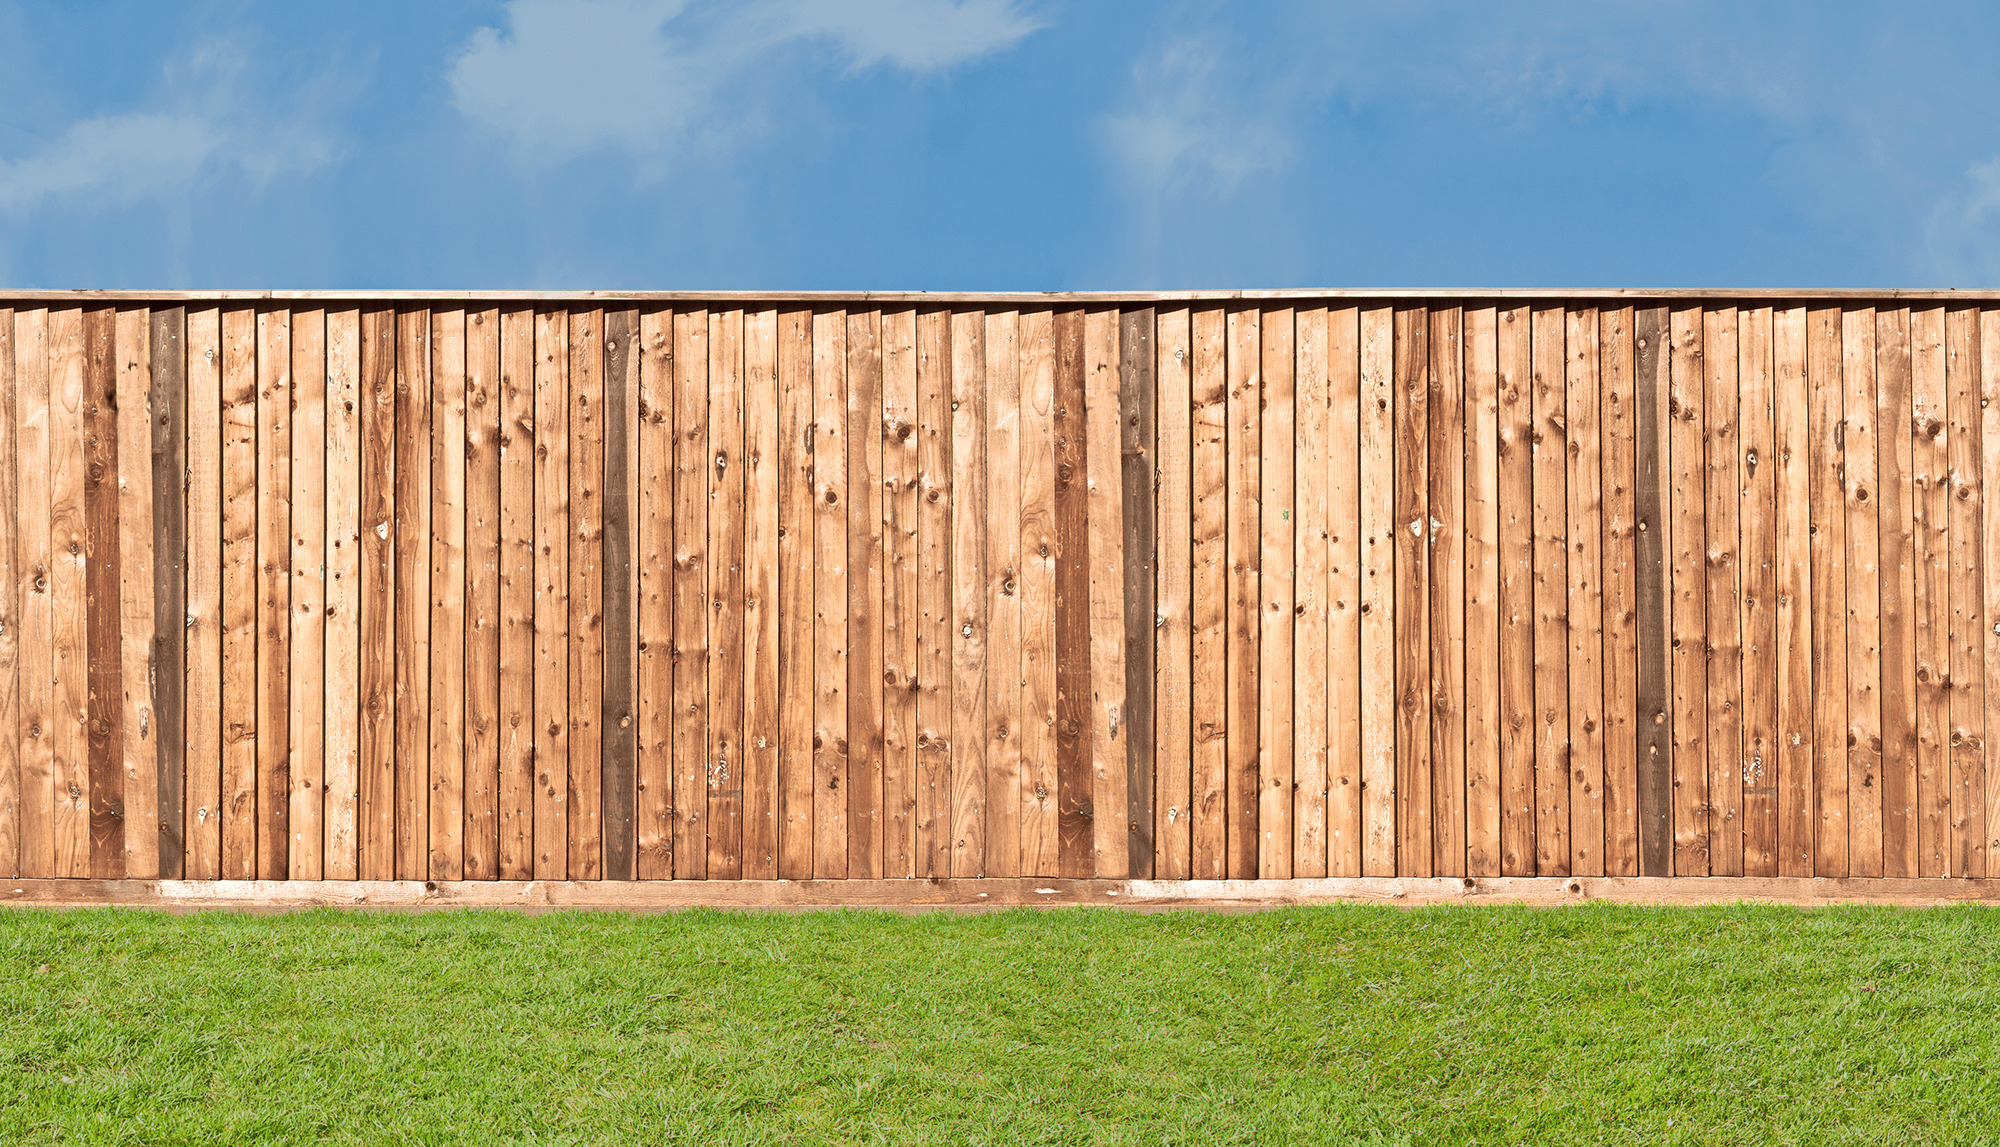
998 144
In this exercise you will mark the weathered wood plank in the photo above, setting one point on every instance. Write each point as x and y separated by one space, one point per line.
1515 463
1829 589
1864 595
1584 434
900 560
866 822
1756 617
1173 510
654 673
1004 719
1480 358
1378 516
934 585
273 517
34 559
1653 419
830 775
412 530
167 412
516 748
1444 525
1106 531
202 705
306 729
483 558
1798 810
970 639
1987 554
1243 436
549 740
137 586
445 595
689 739
760 603
726 514
795 595
1930 467
11 795
1138 468
1072 613
105 732
1684 500
1965 451
1549 445
1722 448
1896 504
1344 600
239 594
1209 768
1040 841
344 400
587 577
1310 549
1619 568
1276 597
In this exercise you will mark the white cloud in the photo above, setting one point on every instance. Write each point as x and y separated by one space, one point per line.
1186 132
1964 228
571 76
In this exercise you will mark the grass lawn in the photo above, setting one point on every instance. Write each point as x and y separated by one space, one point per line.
1486 1025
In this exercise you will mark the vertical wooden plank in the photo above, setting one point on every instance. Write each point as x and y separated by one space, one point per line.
550 743
1138 469
1004 718
865 796
1310 547
104 733
1379 588
445 596
167 412
1798 808
344 400
1962 362
587 577
1040 837
1414 829
1721 399
899 593
1930 465
1344 600
761 716
1244 609
726 512
1864 595
654 671
1208 794
970 639
516 749
830 747
1549 447
1757 498
1276 599
1515 461
239 593
1072 609
483 557
306 716
202 826
1896 505
34 559
1621 603
11 803
1482 589
69 671
1685 503
1829 589
690 593
934 582
796 559
412 528
272 510
1655 417
1444 526
138 581
1987 337
1109 728
1584 435
1173 510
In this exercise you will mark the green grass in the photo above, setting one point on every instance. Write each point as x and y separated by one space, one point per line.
1588 1024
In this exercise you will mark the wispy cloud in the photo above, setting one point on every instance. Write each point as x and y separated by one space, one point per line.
572 76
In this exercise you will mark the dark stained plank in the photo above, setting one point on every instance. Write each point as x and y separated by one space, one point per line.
618 717
1621 603
1654 788
101 593
1548 438
1894 467
1072 612
1829 589
167 413
1445 525
1798 811
1757 616
1137 403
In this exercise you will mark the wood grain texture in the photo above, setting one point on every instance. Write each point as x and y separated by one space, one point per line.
762 702
795 594
866 820
549 740
1378 709
1685 505
1549 447
1110 850
1241 661
1584 437
239 595
1987 554
306 731
900 620
202 705
1311 544
1002 567
445 595
1651 330
1758 561
483 557
1173 576
689 739
1482 591
167 412
11 803
1137 443
412 531
1965 452
1209 768
1722 449
970 639
1074 809
1829 588
105 729
1864 595
35 558
1277 596
1618 400
516 748
934 588
1444 525
726 512
1798 811
342 681
1515 462
1344 588
1930 513
137 636
1897 507
1040 846
654 669
587 578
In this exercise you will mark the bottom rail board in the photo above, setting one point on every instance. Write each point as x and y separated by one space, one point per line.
975 894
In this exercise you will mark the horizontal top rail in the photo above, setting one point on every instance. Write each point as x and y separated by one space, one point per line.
946 298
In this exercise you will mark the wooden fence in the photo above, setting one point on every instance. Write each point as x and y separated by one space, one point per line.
651 587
